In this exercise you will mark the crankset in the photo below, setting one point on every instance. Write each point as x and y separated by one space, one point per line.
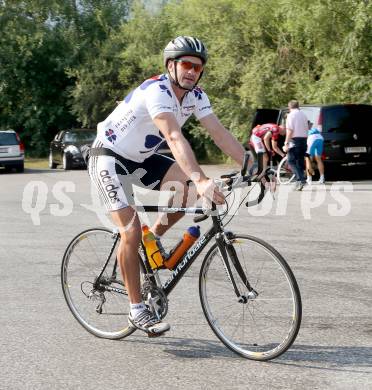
155 298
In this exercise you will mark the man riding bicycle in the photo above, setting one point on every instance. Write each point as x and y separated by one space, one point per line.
264 142
125 152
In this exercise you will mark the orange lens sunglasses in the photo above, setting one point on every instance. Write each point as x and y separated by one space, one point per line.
188 65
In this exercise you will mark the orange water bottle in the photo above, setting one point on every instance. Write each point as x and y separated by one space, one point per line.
189 237
152 249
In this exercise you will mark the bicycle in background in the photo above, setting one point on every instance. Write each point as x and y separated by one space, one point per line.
284 172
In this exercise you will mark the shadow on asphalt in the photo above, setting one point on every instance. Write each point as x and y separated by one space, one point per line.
341 358
311 356
189 348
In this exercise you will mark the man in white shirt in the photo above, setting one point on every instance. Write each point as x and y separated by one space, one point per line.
295 142
126 145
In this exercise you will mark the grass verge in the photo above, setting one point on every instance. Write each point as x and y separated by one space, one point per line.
36 163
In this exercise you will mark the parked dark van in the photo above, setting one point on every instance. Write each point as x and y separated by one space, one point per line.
346 128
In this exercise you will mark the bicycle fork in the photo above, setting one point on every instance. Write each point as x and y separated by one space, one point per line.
227 252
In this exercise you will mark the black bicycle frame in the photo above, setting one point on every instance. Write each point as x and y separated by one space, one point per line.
187 259
227 251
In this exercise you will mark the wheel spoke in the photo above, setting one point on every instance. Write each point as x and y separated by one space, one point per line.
83 263
264 327
284 174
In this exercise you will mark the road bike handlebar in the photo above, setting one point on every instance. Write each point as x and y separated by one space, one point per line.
242 179
225 182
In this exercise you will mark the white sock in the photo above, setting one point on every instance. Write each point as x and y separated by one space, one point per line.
136 308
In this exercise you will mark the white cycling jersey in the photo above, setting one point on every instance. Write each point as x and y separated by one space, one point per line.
130 131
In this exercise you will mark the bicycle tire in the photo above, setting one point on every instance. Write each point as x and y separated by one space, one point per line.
261 328
82 263
284 174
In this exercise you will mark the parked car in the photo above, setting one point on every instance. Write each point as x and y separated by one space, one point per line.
65 148
12 151
346 128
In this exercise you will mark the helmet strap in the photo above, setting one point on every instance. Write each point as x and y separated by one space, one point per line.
175 81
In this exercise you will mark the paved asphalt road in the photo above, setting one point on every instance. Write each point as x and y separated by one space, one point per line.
325 235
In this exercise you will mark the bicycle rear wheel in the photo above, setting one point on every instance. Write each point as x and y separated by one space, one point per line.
285 174
265 326
102 313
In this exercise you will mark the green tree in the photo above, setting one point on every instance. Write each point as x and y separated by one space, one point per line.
44 46
32 77
129 55
68 62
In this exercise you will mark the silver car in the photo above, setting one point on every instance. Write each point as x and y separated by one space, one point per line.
12 151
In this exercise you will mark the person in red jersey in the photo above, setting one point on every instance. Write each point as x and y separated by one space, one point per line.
264 141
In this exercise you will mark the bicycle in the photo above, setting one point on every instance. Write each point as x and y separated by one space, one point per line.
248 293
284 173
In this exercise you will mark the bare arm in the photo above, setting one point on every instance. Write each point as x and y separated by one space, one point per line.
223 138
288 137
276 148
267 139
181 149
289 130
185 157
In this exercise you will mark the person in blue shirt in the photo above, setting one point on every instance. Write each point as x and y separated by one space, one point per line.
314 151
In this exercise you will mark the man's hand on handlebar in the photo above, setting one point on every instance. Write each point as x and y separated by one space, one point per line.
209 190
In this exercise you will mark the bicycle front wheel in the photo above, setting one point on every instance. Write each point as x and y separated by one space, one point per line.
101 312
285 174
257 328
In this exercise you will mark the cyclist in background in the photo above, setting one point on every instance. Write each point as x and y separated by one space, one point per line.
314 151
125 151
264 141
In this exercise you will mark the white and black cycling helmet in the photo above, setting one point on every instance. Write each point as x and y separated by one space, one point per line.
185 46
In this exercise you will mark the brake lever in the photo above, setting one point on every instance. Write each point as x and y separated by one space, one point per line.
229 175
242 179
248 180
